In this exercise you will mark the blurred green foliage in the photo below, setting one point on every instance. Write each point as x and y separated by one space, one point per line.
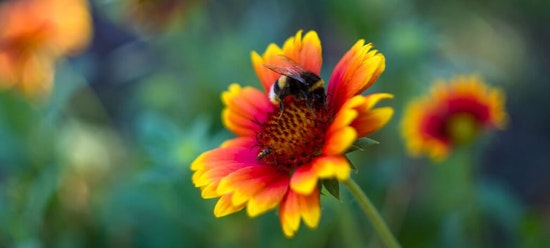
105 162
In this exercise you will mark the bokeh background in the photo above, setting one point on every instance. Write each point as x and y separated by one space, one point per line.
104 161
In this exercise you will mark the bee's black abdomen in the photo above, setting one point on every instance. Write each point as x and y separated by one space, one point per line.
310 78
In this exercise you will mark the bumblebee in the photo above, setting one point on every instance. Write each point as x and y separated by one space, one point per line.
298 82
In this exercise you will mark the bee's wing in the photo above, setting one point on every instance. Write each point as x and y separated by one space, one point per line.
288 68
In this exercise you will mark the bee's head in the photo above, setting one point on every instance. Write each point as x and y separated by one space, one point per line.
273 93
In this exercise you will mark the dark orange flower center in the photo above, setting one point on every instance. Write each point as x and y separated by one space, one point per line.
293 137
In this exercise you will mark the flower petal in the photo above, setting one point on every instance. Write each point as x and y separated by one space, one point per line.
417 141
247 142
373 99
73 24
305 51
372 120
340 136
345 115
68 24
212 166
208 180
246 182
357 113
295 206
37 75
304 179
245 109
332 167
289 214
270 57
225 207
356 71
310 208
212 159
339 141
369 119
269 197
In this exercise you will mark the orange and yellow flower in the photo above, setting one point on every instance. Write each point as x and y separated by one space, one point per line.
34 34
156 15
279 159
452 114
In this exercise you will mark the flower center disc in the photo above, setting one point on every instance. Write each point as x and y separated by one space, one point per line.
462 128
293 137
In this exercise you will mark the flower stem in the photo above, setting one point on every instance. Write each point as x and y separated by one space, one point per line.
371 212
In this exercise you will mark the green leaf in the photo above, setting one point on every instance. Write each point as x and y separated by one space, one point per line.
362 144
333 187
351 164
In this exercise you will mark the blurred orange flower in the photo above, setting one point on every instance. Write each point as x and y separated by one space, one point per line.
452 114
155 15
34 34
281 154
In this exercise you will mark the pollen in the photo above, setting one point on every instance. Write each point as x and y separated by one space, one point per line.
293 137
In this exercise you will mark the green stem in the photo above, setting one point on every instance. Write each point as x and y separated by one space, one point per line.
371 212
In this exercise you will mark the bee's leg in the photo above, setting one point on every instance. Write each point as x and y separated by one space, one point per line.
281 108
304 95
309 104
282 95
